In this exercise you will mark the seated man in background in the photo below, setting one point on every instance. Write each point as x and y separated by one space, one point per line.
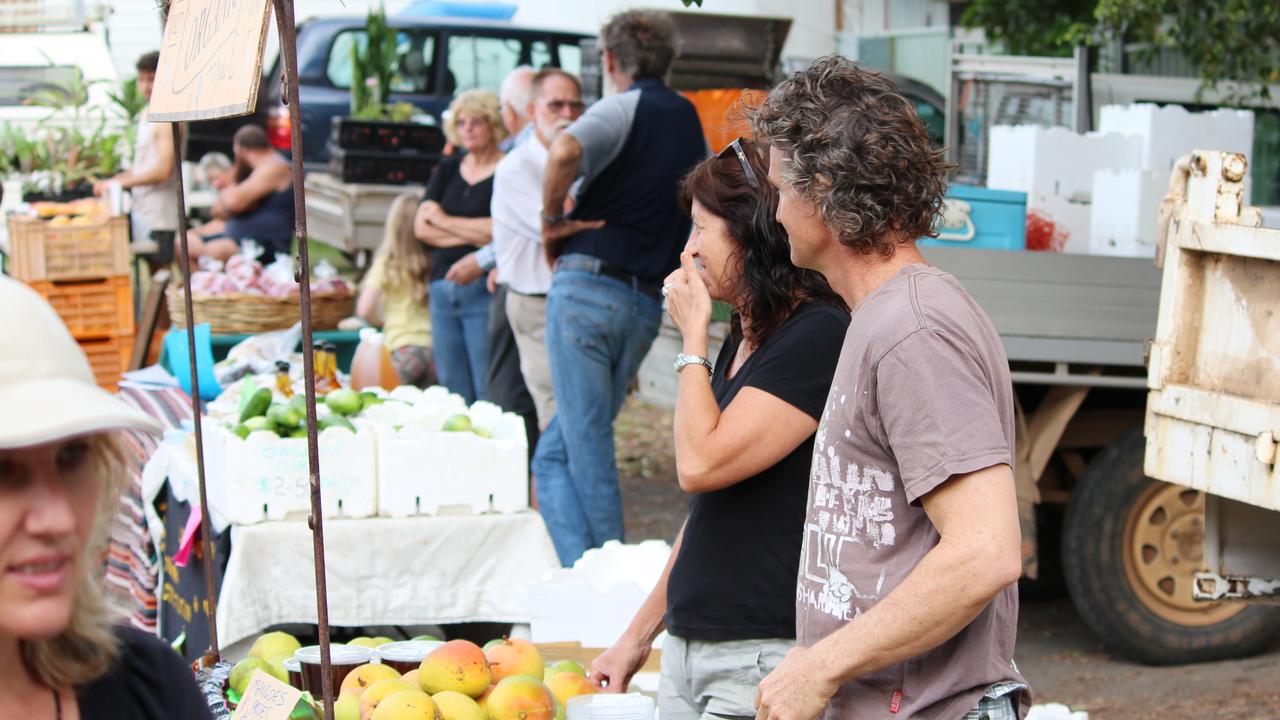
255 202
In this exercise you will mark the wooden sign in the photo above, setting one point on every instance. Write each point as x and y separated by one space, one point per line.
266 698
210 60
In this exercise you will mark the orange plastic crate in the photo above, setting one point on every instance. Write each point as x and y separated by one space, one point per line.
92 308
41 251
109 358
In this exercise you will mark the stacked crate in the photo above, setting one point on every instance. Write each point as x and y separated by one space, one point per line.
386 153
83 271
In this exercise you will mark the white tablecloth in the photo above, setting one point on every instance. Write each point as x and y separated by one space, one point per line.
385 571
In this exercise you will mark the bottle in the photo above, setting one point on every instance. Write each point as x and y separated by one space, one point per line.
331 365
319 365
371 365
283 384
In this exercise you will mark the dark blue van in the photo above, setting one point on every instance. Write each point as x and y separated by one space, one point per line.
437 58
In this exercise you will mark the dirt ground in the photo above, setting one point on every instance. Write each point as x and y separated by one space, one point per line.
1057 653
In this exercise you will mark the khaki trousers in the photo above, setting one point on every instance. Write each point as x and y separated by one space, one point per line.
528 317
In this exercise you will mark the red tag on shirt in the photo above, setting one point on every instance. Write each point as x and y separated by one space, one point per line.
896 704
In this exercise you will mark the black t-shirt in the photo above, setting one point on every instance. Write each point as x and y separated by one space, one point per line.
735 577
460 199
148 682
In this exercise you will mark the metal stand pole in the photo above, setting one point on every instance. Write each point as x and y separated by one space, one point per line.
206 530
289 51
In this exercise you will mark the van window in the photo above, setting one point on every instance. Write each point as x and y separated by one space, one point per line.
570 57
415 56
540 55
478 61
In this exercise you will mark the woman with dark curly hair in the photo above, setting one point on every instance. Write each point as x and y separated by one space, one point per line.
744 432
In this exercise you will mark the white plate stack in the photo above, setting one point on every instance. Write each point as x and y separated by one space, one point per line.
604 706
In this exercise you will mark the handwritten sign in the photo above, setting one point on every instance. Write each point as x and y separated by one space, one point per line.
266 698
210 60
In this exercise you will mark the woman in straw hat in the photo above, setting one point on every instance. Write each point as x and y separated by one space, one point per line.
62 469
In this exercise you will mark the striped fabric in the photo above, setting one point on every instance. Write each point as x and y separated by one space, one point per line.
133 565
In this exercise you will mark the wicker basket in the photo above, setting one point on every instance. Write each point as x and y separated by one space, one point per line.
242 314
42 251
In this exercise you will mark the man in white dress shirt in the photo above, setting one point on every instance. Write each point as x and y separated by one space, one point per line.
517 229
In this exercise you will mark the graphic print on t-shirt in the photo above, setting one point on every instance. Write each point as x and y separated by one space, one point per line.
851 506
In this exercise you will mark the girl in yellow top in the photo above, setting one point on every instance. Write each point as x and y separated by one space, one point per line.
394 295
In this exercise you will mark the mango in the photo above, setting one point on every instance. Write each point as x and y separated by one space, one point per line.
513 656
344 401
411 677
347 706
375 693
362 641
284 416
258 423
456 706
565 685
521 697
405 705
274 644
242 673
457 423
457 665
564 666
362 677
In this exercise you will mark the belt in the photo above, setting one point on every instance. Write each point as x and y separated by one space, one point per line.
513 291
596 266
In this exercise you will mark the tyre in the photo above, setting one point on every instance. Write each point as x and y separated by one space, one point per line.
1130 546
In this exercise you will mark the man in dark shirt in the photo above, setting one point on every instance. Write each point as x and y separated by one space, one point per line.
603 309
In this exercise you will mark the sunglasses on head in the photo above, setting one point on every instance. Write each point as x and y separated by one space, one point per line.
736 148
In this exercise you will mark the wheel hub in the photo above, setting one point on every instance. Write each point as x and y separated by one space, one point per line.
1164 546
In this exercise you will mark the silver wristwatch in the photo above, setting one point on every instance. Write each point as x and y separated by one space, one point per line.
682 360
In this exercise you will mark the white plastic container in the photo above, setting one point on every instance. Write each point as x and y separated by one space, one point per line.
593 602
266 477
422 469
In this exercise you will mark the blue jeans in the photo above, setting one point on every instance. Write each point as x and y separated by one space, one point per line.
598 331
460 336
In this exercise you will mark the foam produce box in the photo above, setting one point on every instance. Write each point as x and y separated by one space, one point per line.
593 602
266 477
434 452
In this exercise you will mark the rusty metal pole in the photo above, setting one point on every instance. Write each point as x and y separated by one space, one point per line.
206 530
289 51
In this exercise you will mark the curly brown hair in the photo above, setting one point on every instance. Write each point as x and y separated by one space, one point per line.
856 149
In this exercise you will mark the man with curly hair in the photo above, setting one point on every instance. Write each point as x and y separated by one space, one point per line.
906 602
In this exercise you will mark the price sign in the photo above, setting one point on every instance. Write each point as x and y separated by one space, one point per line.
210 60
266 698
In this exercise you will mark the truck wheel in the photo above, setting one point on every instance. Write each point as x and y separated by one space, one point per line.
1129 548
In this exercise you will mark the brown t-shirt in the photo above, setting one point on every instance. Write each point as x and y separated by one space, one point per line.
921 393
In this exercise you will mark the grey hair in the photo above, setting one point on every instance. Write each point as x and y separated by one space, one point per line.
517 90
642 42
856 148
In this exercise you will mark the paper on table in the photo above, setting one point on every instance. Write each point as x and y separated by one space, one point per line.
153 376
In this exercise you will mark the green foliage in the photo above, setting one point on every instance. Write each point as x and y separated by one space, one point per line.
373 66
1032 27
72 145
1227 41
129 104
687 3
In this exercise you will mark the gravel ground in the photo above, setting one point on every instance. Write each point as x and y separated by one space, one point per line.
1057 653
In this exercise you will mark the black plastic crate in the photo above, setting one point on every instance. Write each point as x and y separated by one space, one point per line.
386 168
350 134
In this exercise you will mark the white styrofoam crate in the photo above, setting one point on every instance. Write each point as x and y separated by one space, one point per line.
1124 210
593 602
1055 161
266 477
422 469
1169 132
1071 217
